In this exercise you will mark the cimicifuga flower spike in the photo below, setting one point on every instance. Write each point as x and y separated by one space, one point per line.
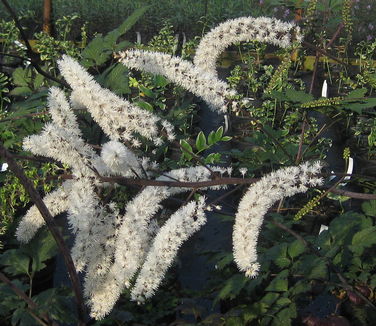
182 72
61 112
177 229
133 238
120 160
242 29
118 118
258 199
60 145
56 202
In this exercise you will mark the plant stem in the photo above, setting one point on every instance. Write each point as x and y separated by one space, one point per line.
34 195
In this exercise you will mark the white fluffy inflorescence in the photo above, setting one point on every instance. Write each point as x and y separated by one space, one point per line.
178 228
258 199
133 239
212 90
120 119
264 29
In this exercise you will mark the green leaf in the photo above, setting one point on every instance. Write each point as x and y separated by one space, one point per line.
211 138
232 287
369 208
296 248
22 77
213 158
21 91
188 149
278 285
218 134
57 303
112 36
100 49
145 105
16 260
255 311
9 300
298 96
21 317
161 81
116 79
146 91
270 298
363 239
317 269
41 248
357 93
201 142
285 316
225 261
226 138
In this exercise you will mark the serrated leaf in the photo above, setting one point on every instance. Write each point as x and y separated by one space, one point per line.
282 262
22 76
9 300
363 239
232 287
357 93
21 91
226 138
21 317
285 316
16 261
256 310
40 248
57 303
295 249
116 79
317 270
201 142
278 285
270 298
225 261
369 207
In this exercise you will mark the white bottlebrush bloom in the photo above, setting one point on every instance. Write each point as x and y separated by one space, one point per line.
243 29
134 236
60 145
182 72
118 118
257 200
177 229
120 160
56 202
61 112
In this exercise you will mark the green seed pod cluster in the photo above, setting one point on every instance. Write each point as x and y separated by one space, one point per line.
347 18
308 207
310 14
322 102
280 74
346 153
